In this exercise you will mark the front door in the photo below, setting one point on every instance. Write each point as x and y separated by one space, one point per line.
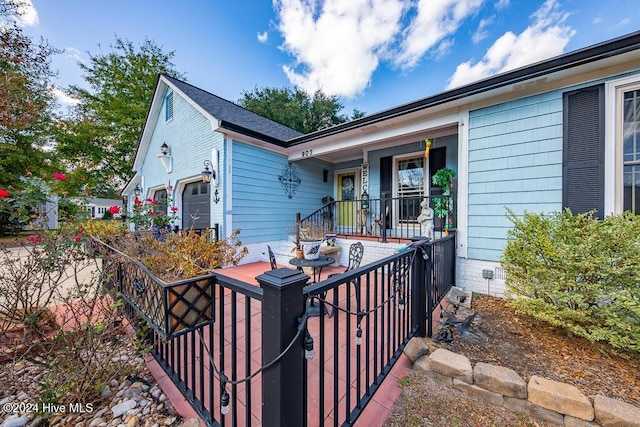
347 195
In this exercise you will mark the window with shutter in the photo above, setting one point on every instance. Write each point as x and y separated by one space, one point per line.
583 151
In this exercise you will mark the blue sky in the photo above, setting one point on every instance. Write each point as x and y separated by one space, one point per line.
373 54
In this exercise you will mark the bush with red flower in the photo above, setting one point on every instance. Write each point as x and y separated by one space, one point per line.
149 214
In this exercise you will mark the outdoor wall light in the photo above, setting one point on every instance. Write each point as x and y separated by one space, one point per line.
208 174
165 157
137 190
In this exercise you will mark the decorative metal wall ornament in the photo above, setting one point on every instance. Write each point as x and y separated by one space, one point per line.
289 180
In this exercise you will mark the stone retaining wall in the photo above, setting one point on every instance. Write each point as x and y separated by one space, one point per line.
549 401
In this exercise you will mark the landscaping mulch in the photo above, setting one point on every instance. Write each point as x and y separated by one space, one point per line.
528 346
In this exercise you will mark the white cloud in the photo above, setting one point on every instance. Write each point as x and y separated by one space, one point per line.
502 4
74 54
597 20
434 20
62 97
263 37
28 15
623 23
547 36
482 33
336 44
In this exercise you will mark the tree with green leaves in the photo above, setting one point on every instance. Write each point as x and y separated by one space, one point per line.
100 136
26 101
297 109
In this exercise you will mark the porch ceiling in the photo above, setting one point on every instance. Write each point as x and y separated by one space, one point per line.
368 139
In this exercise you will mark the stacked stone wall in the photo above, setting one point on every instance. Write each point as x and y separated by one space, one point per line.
549 401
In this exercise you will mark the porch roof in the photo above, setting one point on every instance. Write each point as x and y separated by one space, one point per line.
610 52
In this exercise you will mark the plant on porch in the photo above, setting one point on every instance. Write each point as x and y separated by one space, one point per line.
443 205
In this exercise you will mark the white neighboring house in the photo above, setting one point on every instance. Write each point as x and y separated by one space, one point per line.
97 207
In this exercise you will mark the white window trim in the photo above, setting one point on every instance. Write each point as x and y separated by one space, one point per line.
394 181
613 162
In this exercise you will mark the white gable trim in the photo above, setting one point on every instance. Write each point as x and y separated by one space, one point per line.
155 113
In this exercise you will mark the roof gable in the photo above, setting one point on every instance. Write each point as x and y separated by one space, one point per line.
234 117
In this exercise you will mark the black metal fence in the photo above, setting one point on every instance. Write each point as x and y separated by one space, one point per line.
263 359
388 218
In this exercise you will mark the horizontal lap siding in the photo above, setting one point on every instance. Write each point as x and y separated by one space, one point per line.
261 208
190 139
515 161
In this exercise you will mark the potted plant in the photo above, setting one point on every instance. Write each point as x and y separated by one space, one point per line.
310 237
442 205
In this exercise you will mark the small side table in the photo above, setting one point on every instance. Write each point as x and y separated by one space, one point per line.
315 264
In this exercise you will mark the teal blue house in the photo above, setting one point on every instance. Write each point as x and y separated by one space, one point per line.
564 132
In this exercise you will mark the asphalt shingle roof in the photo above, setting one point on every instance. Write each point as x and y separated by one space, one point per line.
236 118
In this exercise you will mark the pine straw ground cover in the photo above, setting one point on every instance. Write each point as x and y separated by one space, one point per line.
530 348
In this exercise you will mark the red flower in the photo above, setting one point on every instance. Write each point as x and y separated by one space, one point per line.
77 239
27 171
4 193
115 209
174 209
170 188
154 202
149 200
152 212
59 176
33 239
138 202
82 231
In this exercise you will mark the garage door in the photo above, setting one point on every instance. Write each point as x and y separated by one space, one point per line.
196 206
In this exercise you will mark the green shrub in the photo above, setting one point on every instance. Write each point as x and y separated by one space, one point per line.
578 273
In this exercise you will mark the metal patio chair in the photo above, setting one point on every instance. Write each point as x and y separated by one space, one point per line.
272 258
356 251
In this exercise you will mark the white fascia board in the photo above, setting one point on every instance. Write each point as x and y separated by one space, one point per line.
319 147
252 141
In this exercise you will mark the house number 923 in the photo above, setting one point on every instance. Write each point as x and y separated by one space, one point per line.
307 153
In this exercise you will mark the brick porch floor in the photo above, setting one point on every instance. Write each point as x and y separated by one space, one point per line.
374 414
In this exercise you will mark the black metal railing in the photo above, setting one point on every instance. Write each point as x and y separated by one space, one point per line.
252 351
370 315
441 274
387 218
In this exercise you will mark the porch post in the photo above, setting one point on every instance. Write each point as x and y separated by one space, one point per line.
420 286
283 399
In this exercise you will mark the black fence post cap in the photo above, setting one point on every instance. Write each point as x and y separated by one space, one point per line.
282 277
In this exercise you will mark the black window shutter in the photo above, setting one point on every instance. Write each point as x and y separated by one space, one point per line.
583 151
386 181
437 161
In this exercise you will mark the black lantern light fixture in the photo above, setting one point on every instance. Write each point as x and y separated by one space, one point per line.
208 174
165 157
137 190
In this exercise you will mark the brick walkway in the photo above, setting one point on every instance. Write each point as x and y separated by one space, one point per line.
374 414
